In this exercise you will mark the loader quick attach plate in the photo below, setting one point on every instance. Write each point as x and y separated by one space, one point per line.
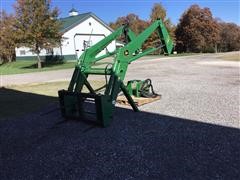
96 108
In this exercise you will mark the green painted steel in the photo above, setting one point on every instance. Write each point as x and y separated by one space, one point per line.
74 103
134 87
141 88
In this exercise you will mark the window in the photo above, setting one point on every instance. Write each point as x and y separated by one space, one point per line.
49 51
22 52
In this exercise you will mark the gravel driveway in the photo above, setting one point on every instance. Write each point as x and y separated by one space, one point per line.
193 89
191 133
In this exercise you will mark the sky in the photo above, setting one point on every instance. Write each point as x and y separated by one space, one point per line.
109 10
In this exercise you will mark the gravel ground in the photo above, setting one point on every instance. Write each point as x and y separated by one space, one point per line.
191 133
193 89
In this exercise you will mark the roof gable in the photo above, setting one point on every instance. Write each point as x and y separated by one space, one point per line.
72 21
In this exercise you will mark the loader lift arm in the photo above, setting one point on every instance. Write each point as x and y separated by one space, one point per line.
73 101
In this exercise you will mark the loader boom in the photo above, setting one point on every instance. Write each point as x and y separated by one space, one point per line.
73 101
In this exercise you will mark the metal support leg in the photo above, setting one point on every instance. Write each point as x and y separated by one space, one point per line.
73 79
129 98
89 87
82 80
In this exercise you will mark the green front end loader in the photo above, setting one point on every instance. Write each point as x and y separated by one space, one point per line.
98 104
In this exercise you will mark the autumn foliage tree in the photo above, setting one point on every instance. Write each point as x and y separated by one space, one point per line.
136 24
159 12
7 37
197 31
37 24
229 37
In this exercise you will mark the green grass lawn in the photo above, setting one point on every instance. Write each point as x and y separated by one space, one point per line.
51 88
47 89
19 100
23 99
231 57
16 103
20 67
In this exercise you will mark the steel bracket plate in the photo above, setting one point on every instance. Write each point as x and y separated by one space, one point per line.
95 108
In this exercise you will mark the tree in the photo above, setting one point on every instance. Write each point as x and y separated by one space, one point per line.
7 37
37 24
229 37
197 31
136 24
159 12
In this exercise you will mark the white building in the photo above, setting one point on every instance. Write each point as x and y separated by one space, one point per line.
80 31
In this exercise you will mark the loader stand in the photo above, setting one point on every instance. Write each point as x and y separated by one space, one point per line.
96 108
99 107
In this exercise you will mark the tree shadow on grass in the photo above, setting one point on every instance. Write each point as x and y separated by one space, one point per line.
143 145
14 103
44 64
47 61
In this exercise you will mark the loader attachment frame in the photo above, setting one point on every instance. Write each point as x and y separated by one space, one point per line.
74 103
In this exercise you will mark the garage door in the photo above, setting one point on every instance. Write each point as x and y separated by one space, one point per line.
84 41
